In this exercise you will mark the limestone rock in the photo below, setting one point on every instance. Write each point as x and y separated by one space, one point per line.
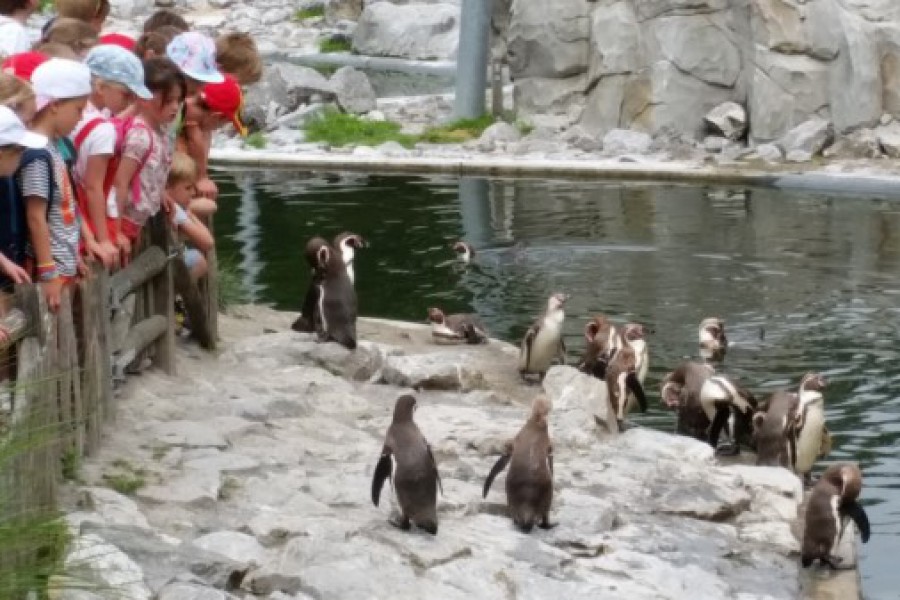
579 400
189 591
94 561
862 143
728 119
196 489
498 132
548 40
354 91
113 507
624 141
339 10
188 434
810 137
415 31
293 85
768 153
233 545
434 371
889 139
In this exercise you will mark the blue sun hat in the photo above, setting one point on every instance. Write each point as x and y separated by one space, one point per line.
195 55
118 65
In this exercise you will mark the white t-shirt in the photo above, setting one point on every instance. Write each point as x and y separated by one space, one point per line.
13 37
101 140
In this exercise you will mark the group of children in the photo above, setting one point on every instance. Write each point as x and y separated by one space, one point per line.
98 133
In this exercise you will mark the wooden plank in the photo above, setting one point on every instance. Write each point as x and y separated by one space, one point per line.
90 379
140 337
194 304
146 266
64 337
164 296
16 324
210 289
104 352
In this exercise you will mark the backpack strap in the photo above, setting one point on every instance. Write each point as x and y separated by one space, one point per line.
136 180
86 131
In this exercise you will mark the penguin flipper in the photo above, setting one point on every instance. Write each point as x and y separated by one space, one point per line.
856 512
495 470
437 473
550 459
382 472
634 385
527 341
561 352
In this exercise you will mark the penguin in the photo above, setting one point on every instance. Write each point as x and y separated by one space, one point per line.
347 243
464 251
529 483
832 502
680 391
728 407
809 424
603 341
623 385
456 328
713 343
635 335
543 341
416 479
306 322
775 440
336 306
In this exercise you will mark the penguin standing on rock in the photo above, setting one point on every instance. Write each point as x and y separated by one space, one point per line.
347 244
416 479
833 501
713 343
543 341
306 322
529 483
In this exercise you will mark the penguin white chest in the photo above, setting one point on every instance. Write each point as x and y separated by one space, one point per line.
809 439
642 356
546 344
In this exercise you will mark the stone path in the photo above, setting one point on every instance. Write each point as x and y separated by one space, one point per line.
256 471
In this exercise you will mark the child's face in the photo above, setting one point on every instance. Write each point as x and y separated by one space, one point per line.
116 97
9 159
66 114
164 106
182 192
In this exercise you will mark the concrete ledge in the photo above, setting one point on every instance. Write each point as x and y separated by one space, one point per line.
862 182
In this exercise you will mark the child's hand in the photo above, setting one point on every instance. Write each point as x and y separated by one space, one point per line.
105 252
14 271
168 204
124 245
52 293
83 269
207 188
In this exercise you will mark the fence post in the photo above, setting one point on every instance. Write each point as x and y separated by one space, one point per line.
163 300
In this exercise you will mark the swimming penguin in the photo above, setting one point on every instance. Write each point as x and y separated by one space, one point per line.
603 341
809 424
680 391
529 482
306 322
464 251
730 408
713 343
623 386
832 502
774 431
416 479
543 341
335 312
347 244
456 328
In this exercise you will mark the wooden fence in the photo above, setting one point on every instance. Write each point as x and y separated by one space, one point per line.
64 367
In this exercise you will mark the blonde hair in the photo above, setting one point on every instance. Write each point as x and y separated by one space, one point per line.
14 92
74 33
183 169
238 55
83 10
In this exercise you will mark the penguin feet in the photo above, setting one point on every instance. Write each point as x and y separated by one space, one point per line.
430 527
546 524
402 522
728 449
832 562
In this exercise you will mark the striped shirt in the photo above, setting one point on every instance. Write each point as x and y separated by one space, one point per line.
62 210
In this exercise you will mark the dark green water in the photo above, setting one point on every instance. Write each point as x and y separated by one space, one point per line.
804 282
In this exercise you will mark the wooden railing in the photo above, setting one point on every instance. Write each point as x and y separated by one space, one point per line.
64 367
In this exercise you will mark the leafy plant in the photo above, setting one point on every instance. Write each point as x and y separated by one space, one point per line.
340 129
124 483
71 464
256 140
458 131
231 286
46 6
310 12
330 45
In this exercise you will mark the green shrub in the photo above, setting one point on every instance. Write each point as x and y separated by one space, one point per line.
458 131
124 483
340 129
256 140
231 286
330 45
310 13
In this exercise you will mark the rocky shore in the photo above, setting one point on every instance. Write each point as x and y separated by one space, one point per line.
249 477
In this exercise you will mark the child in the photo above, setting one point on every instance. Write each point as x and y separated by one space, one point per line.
146 150
13 14
180 186
62 88
22 65
74 33
238 55
195 55
153 43
92 12
14 139
216 105
117 77
119 39
163 18
18 95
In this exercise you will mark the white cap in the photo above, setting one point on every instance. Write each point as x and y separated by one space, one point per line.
13 132
60 79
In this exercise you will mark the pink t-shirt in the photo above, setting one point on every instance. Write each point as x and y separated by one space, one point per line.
140 139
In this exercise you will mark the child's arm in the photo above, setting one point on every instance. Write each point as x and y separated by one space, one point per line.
94 174
195 231
13 271
198 145
122 182
36 211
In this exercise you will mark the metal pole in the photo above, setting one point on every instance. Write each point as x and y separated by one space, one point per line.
472 58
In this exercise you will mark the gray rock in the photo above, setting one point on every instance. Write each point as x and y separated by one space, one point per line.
578 137
190 591
195 489
499 132
354 91
889 139
548 40
436 371
188 434
338 10
392 149
580 403
220 3
112 507
624 141
862 143
293 85
126 9
259 107
728 119
714 143
810 137
233 545
798 156
768 153
93 561
416 31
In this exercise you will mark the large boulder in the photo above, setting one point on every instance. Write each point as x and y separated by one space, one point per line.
415 31
342 10
354 90
293 85
728 119
548 39
810 137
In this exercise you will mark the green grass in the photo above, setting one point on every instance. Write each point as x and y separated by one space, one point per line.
309 13
46 6
71 464
256 140
331 45
458 131
231 287
340 129
124 483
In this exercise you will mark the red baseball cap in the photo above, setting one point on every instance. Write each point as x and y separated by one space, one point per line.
119 39
225 99
22 65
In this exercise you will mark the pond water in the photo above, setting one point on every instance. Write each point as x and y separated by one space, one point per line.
804 282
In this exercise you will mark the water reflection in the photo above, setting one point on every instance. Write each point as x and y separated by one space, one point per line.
804 282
